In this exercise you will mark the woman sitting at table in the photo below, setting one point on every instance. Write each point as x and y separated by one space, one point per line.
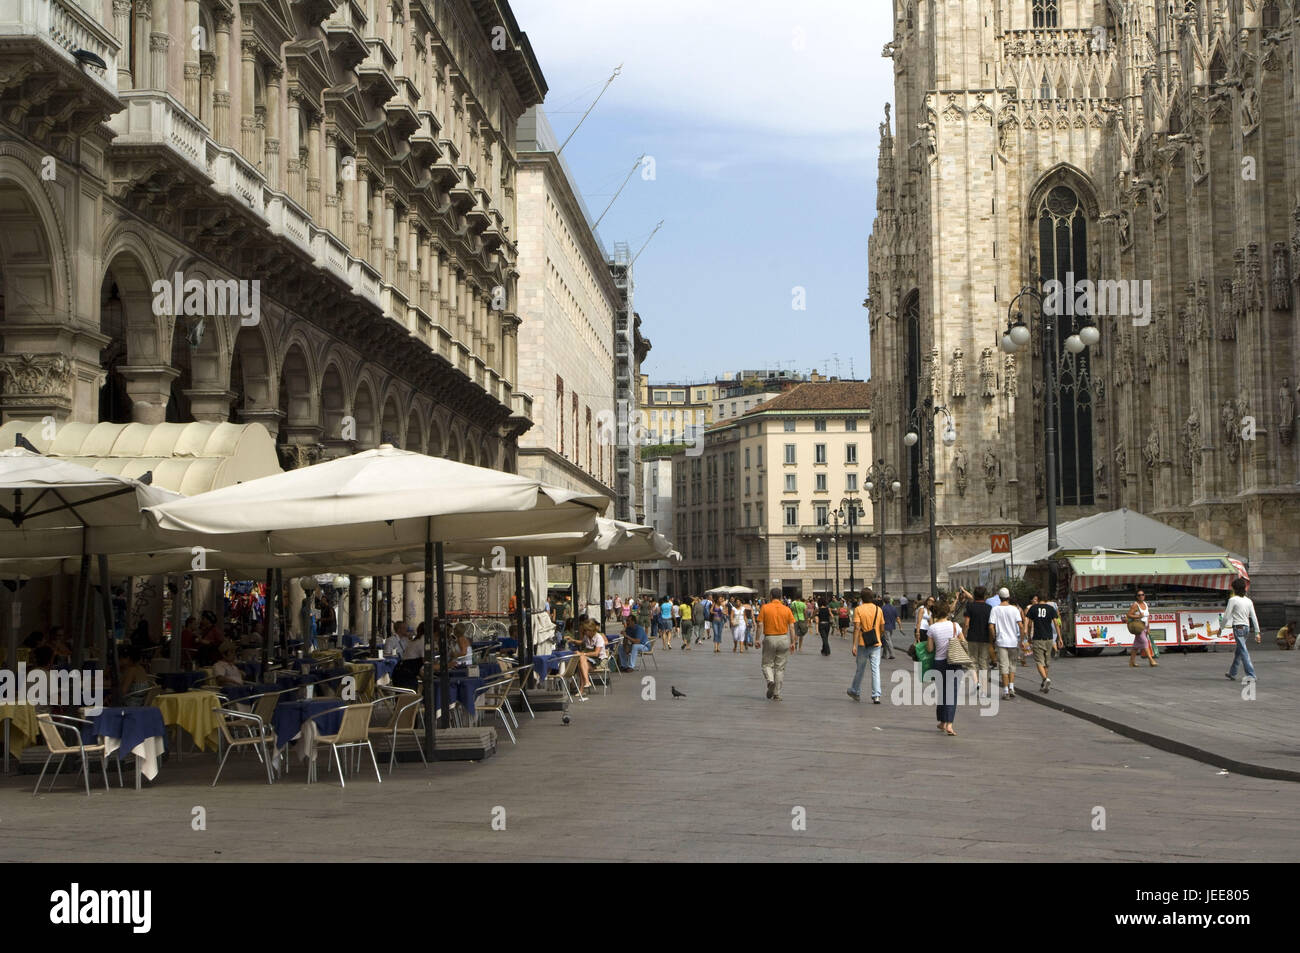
594 649
135 680
210 639
464 650
225 671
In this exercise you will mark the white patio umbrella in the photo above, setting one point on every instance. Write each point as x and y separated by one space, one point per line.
379 500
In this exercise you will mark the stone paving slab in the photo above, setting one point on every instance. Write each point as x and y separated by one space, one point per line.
1187 707
716 776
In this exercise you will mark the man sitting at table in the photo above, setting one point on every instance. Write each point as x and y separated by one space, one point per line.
463 653
225 671
395 644
635 641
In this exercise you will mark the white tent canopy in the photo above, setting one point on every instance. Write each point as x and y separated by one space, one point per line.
1117 530
384 500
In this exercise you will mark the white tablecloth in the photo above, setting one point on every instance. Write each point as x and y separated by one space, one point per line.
147 753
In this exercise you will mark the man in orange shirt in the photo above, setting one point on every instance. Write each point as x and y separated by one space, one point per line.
868 632
775 620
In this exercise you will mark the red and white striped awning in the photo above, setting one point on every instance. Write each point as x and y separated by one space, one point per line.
1238 565
1198 580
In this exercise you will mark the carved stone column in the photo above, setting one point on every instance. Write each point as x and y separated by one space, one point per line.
159 43
210 405
293 164
348 225
331 218
143 18
207 70
361 240
313 170
377 227
271 165
149 387
388 264
195 43
221 96
35 386
248 99
122 31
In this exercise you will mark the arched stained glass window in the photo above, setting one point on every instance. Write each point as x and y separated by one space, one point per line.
1063 251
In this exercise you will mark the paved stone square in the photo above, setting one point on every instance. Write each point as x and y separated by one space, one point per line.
720 775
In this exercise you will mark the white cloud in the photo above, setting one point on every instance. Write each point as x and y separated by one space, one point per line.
807 78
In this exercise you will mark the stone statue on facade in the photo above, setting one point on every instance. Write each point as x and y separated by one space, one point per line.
1254 279
1121 465
1249 110
1191 441
1012 377
990 470
1100 487
1286 412
1204 328
1281 284
1151 452
961 467
988 374
1231 430
1158 198
957 374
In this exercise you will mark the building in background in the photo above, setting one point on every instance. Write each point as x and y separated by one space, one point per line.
657 492
1153 144
567 302
674 413
756 507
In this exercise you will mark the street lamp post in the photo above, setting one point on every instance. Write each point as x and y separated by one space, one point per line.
851 511
1016 337
882 486
920 421
835 543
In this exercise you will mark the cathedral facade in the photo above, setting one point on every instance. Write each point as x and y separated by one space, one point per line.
1148 151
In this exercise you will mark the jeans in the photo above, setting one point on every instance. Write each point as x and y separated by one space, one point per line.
824 629
776 652
889 643
627 657
1242 655
867 656
947 677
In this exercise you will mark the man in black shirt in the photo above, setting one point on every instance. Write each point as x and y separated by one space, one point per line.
1045 621
977 633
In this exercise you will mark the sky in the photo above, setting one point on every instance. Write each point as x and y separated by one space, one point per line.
761 118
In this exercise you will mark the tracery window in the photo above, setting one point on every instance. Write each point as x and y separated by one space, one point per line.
1046 14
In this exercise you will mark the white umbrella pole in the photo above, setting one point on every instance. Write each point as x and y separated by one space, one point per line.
443 648
104 642
82 613
430 709
526 633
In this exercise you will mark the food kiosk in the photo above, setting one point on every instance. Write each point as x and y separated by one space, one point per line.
1185 594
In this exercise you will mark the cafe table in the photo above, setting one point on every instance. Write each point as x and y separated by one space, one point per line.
136 731
237 693
21 730
181 681
197 712
296 721
545 665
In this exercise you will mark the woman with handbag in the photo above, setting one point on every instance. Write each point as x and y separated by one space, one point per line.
1139 623
945 639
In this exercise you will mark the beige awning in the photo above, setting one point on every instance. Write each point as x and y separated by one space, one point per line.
185 458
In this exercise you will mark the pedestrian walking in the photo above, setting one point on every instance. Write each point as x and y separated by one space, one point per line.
1139 623
890 611
800 610
923 615
719 618
677 619
1240 615
737 627
824 624
939 637
666 621
703 612
688 622
868 638
978 641
1005 630
843 614
1044 621
902 607
778 621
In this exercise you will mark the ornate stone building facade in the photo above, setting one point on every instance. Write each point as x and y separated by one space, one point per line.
354 163
1121 142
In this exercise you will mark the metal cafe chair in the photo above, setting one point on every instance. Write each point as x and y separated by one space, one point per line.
52 727
353 732
258 739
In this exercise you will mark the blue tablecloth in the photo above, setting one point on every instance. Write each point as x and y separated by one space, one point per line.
383 666
350 640
237 692
463 690
252 670
287 679
508 643
545 665
130 725
289 717
485 669
180 681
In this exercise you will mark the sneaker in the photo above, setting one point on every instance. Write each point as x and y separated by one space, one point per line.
849 692
1012 693
1230 677
875 699
770 689
1047 685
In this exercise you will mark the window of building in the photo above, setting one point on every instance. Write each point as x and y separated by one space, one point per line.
789 453
792 514
820 486
791 552
823 551
819 426
760 458
791 483
1046 14
760 484
823 514
747 486
789 426
746 514
746 458
855 550
851 424
819 453
851 453
850 482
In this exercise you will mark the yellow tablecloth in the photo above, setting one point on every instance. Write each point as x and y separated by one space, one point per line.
365 676
24 731
196 712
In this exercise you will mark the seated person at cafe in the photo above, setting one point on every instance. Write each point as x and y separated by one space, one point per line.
60 645
415 647
208 645
395 644
463 652
135 679
635 641
188 634
1286 636
225 671
593 650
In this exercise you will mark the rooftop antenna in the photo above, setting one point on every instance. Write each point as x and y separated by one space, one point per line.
647 242
618 69
635 166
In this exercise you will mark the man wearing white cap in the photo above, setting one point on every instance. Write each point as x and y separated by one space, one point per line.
1005 628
